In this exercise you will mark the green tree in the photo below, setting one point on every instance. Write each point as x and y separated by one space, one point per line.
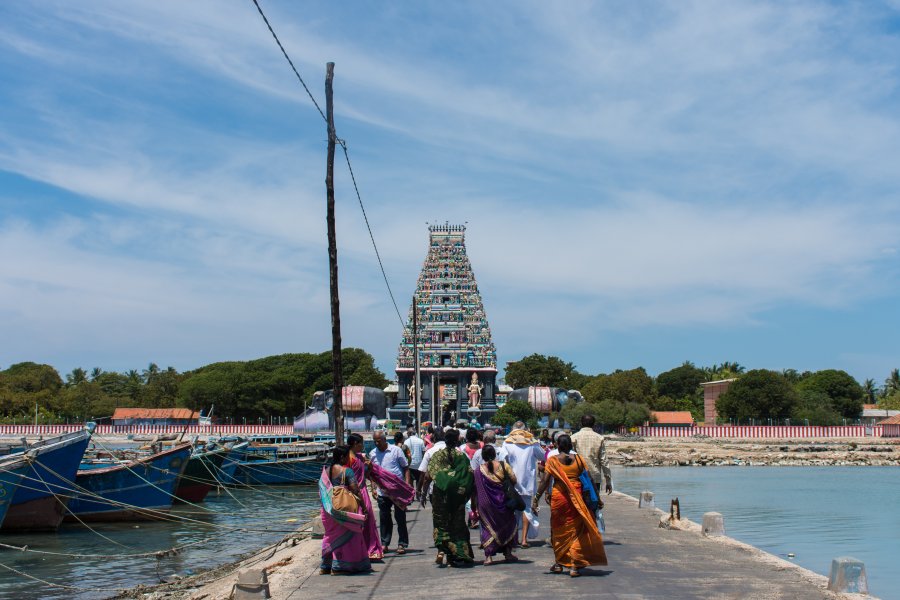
633 385
25 384
890 402
538 369
845 393
515 410
680 382
815 408
758 394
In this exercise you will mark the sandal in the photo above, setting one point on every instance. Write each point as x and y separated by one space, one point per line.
525 544
510 557
439 559
556 568
574 573
488 561
401 550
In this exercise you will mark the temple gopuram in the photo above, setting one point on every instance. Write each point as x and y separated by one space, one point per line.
457 360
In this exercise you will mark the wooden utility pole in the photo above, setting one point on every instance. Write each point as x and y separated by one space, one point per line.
336 366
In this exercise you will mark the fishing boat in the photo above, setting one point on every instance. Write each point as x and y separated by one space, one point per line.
39 501
225 474
260 463
11 472
140 489
199 476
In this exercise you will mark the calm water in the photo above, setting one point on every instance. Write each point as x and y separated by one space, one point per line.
270 511
818 513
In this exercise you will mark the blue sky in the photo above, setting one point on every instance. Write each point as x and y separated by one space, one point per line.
644 183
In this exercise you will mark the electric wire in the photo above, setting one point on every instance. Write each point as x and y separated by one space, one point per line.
343 144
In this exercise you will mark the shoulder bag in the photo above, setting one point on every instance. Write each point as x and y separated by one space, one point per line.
513 500
342 498
588 493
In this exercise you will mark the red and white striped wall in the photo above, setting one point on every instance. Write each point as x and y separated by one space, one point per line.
767 431
892 431
45 430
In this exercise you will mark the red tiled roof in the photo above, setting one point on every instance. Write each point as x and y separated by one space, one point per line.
671 417
155 413
895 420
869 406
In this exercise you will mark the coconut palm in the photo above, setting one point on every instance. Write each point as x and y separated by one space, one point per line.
77 376
892 383
870 390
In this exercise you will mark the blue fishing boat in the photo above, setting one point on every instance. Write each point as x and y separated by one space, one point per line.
226 472
136 490
11 472
39 501
276 464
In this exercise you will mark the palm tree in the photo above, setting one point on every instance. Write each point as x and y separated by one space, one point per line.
892 383
95 373
150 372
870 390
77 376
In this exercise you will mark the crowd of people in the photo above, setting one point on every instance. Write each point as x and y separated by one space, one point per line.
471 482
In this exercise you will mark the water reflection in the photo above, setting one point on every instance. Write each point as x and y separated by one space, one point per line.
817 513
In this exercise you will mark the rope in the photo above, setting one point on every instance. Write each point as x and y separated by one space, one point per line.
60 585
346 155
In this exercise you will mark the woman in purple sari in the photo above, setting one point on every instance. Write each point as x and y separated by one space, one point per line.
498 523
359 464
343 548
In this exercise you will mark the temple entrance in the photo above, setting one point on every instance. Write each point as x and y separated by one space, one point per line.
448 393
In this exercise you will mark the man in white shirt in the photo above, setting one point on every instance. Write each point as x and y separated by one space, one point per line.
490 439
393 460
439 444
416 447
523 455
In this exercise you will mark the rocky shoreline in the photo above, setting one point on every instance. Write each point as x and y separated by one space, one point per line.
708 452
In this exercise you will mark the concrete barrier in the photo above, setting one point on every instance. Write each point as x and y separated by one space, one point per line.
848 575
251 584
713 524
646 500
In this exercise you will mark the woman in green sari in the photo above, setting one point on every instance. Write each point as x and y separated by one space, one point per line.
454 485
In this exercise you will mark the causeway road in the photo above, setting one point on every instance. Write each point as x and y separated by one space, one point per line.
645 562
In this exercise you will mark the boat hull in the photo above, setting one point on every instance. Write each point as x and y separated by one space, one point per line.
51 470
11 473
139 490
199 475
279 472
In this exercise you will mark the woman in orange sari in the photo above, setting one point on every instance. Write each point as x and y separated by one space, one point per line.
576 540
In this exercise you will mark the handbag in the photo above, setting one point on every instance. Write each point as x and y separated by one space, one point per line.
588 493
513 500
343 499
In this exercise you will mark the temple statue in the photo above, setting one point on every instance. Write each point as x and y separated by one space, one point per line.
475 392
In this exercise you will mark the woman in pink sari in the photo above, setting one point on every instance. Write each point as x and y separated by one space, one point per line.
343 547
359 464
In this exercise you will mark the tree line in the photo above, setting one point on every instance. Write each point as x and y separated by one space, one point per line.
274 385
626 397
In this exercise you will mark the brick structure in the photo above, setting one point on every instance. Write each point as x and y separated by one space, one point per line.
711 392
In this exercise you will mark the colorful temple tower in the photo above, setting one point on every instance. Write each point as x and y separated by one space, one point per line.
457 360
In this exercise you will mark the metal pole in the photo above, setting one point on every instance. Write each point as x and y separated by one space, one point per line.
336 366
